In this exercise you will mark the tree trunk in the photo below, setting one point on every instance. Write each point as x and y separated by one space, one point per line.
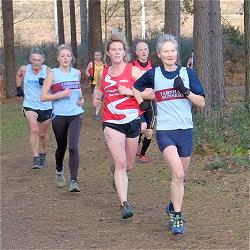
95 28
84 33
247 48
60 22
73 28
128 30
202 48
8 41
216 55
172 19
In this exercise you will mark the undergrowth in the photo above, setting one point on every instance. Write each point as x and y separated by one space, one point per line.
226 136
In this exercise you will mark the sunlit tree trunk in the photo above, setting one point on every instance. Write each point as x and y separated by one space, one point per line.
73 27
128 30
8 41
202 48
95 28
172 19
247 48
84 32
216 55
60 23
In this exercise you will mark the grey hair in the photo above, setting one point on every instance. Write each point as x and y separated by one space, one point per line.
165 38
37 51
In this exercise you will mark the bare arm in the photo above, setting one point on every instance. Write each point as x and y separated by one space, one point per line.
98 94
46 95
90 65
20 75
197 100
137 95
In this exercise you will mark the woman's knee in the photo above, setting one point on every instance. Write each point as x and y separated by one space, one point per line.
121 164
73 150
178 175
34 129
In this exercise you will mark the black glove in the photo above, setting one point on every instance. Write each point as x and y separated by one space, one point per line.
144 106
179 85
41 79
91 78
19 92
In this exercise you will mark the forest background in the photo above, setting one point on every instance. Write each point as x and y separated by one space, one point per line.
219 174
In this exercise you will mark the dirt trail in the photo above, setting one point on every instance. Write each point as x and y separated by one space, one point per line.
38 215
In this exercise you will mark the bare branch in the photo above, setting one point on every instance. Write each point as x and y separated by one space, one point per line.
26 17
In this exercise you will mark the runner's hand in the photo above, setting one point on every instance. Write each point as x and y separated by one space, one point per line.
96 102
65 93
19 92
41 80
124 90
81 101
91 78
179 85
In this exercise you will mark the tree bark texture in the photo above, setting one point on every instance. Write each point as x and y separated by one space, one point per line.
84 33
8 41
73 27
60 23
128 30
247 48
202 48
216 55
172 18
95 28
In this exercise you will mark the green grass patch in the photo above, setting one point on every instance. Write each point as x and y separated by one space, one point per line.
226 135
13 124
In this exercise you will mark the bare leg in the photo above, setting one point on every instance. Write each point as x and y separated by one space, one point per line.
115 141
31 117
173 160
43 135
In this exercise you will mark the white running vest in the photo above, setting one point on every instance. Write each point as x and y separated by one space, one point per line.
173 109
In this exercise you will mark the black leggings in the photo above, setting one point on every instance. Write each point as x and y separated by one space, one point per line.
67 127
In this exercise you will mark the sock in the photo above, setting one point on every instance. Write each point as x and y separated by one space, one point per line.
145 145
171 206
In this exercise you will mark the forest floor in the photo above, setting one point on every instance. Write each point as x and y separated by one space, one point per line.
36 214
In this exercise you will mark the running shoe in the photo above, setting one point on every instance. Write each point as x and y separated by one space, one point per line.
60 180
144 159
97 118
73 186
36 162
170 212
126 210
112 170
42 157
178 225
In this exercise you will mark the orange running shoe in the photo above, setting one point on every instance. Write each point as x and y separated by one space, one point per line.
144 159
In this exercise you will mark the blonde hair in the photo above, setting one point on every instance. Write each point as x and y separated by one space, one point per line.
64 46
67 47
118 36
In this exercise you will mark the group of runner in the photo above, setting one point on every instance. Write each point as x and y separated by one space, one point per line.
130 93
